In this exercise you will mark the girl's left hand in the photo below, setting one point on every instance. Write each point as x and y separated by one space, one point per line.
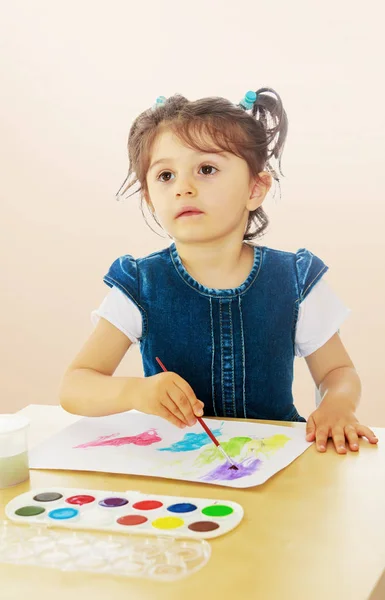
338 423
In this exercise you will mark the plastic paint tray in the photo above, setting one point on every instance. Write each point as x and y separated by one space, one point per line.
128 512
157 558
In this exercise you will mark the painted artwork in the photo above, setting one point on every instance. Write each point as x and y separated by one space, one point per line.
139 444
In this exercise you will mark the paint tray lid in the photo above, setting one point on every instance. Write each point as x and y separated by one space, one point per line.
156 558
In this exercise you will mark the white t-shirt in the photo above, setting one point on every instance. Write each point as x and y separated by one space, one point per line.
320 317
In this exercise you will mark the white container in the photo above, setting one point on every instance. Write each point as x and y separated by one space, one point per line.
14 466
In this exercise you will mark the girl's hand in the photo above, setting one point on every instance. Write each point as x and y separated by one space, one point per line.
169 396
339 423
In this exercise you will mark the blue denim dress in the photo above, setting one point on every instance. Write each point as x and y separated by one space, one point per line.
235 347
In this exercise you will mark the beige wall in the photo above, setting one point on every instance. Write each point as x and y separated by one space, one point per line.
74 76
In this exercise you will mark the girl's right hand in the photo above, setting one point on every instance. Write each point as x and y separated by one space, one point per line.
169 396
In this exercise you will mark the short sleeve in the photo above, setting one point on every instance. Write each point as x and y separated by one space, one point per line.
320 316
119 310
309 270
124 275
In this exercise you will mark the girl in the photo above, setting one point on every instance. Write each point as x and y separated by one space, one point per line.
225 316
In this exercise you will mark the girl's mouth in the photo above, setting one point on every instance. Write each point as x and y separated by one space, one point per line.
190 213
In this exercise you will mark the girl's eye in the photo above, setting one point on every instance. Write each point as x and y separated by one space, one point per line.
162 175
208 167
169 173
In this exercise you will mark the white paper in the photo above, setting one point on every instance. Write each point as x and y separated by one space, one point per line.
140 444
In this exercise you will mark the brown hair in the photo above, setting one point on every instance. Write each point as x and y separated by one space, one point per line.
230 127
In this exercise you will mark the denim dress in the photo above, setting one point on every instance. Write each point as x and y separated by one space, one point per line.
235 347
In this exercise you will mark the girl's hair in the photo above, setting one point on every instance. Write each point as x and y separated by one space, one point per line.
230 127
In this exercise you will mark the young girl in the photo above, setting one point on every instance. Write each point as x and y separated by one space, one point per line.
225 316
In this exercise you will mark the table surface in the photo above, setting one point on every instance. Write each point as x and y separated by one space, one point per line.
314 530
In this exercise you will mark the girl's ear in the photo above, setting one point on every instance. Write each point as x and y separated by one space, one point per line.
259 189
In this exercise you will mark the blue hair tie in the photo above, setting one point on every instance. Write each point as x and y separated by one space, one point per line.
159 101
248 100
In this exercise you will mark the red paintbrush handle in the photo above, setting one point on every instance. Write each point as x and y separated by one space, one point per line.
208 431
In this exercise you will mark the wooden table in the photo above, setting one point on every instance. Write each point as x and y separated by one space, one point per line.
316 530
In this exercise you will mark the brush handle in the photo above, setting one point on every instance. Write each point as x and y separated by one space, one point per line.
203 424
214 439
208 431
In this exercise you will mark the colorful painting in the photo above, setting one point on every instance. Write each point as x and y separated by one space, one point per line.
139 444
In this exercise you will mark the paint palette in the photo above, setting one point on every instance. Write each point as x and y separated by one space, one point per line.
131 512
160 559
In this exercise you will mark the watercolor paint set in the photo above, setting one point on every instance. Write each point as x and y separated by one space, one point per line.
161 559
132 512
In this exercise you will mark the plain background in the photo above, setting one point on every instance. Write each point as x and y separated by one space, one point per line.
73 77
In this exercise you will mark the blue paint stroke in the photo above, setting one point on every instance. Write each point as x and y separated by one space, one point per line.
191 441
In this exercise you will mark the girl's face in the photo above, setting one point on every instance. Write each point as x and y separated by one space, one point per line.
214 190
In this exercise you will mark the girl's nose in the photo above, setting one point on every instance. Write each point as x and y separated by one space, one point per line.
185 187
185 192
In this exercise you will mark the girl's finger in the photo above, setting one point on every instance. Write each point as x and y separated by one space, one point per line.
364 431
183 404
166 414
170 405
338 436
352 437
310 430
197 406
321 436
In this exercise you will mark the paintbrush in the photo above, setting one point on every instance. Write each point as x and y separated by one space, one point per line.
207 430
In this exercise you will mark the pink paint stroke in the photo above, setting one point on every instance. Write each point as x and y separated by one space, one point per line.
142 439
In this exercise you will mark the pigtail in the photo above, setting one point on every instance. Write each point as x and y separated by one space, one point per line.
265 106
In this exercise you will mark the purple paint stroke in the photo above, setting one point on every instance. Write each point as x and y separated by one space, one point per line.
142 439
223 472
